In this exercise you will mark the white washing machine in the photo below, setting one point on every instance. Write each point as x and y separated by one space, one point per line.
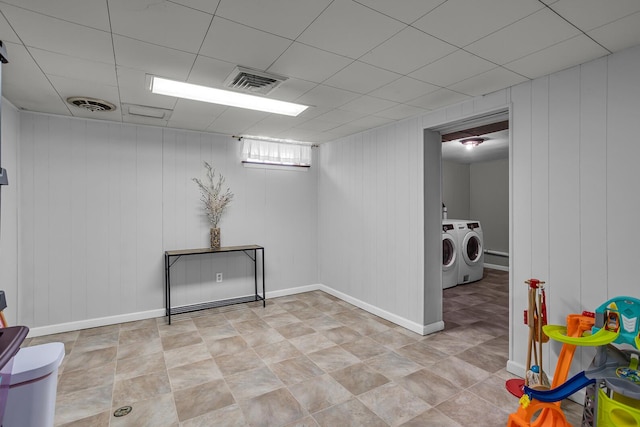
471 251
450 254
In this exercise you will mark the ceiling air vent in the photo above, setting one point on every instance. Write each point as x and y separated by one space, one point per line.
253 81
91 104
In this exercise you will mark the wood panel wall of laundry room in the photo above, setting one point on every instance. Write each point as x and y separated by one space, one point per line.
99 202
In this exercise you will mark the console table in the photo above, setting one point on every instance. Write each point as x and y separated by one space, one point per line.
250 250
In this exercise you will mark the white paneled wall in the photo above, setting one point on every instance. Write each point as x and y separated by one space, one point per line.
574 194
9 214
370 242
100 202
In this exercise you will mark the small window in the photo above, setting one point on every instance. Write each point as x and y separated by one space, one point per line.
275 153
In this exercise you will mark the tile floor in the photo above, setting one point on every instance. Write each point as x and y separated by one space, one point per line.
304 360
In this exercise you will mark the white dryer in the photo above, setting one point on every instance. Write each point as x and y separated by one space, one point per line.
471 251
450 254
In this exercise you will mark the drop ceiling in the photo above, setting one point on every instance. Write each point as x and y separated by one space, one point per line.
358 64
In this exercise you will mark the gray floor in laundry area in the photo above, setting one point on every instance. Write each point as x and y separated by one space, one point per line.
305 360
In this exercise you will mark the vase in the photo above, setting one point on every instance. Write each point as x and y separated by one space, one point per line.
215 238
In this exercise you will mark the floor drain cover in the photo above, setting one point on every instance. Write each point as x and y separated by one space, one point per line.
121 412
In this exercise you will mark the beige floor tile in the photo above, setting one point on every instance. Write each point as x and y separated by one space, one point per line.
275 408
160 411
433 417
141 348
196 401
186 355
429 386
312 342
333 358
130 390
359 378
268 336
393 403
95 342
484 357
493 390
459 372
249 384
352 413
140 365
422 353
304 422
231 364
293 371
341 335
90 359
195 373
477 412
229 345
294 329
179 327
138 335
82 379
320 392
170 342
97 420
229 416
393 339
364 348
217 332
277 352
393 365
82 404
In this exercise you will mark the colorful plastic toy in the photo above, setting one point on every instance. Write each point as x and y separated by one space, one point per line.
612 380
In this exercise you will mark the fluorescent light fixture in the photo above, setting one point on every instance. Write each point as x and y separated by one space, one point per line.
218 96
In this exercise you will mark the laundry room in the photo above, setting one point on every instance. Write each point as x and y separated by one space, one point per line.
475 196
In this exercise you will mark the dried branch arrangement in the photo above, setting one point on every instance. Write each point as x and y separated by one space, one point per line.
214 199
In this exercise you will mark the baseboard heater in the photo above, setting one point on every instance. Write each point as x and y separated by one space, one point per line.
496 253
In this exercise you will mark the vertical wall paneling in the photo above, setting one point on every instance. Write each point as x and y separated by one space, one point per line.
432 221
593 183
26 200
623 152
520 256
9 221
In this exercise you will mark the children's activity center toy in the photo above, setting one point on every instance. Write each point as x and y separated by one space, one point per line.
612 381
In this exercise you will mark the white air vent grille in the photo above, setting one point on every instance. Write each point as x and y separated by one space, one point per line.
253 81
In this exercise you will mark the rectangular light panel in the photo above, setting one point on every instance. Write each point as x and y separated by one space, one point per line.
178 89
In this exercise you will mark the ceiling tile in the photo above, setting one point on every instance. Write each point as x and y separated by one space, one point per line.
291 89
133 90
461 22
196 112
437 99
403 89
590 14
360 77
488 82
453 68
360 125
620 34
140 120
350 29
242 45
52 34
326 96
286 18
24 84
406 11
210 72
208 6
89 13
56 64
234 121
304 135
563 55
272 125
340 116
308 63
399 52
155 22
6 32
317 125
401 111
67 87
152 59
535 32
368 105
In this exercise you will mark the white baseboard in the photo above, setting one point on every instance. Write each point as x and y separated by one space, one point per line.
94 323
131 317
496 267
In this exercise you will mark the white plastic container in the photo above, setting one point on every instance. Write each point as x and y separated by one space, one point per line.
31 401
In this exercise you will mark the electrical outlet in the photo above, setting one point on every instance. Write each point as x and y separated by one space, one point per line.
218 277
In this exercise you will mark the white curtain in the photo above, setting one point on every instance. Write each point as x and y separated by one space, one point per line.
276 152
